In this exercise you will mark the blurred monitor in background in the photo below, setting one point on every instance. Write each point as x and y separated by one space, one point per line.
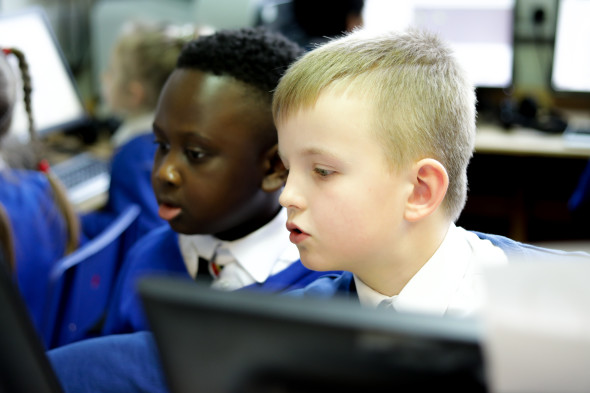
480 32
56 100
571 55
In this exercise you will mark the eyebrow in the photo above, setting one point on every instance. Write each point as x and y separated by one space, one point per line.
313 151
184 133
316 151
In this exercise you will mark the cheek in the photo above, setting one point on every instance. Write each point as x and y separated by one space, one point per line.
352 227
357 218
221 191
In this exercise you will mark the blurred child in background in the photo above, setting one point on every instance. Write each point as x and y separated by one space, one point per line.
39 226
143 57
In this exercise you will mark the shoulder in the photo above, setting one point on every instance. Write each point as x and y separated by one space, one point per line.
25 179
136 151
156 252
140 143
516 250
25 192
159 245
328 285
295 276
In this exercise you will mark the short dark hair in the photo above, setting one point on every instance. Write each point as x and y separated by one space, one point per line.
253 55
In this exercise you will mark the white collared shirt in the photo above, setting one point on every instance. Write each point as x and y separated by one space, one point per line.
449 283
259 255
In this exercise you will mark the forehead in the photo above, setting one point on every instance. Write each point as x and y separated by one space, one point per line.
196 100
336 122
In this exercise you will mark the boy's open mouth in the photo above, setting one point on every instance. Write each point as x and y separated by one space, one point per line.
168 212
296 235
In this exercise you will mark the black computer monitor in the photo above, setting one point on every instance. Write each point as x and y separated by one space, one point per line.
56 100
230 342
24 366
480 32
571 55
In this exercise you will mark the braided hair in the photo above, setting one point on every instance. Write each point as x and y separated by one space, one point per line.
59 192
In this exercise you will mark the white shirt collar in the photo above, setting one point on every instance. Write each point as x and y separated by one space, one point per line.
448 281
257 253
131 128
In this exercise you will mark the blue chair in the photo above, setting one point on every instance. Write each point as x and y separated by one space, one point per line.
82 282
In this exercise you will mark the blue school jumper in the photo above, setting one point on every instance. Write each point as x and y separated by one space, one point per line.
39 233
159 253
120 363
131 168
129 362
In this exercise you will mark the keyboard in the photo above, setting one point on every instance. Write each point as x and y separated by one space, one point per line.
84 176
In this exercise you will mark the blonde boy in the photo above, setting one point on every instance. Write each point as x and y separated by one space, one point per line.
376 132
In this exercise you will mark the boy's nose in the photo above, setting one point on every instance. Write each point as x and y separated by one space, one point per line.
168 173
290 197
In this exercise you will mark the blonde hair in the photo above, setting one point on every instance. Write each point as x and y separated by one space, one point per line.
423 103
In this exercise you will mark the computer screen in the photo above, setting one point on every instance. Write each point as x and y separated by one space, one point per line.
24 366
56 100
571 55
244 341
480 32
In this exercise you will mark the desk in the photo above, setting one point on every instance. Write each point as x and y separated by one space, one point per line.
520 181
492 139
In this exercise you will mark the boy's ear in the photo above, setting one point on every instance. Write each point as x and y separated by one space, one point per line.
274 177
430 182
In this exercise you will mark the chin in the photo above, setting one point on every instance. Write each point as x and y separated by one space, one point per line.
315 263
179 227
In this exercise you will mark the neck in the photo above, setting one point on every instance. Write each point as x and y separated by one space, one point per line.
406 257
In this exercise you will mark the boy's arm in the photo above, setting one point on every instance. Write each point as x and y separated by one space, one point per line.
155 253
117 363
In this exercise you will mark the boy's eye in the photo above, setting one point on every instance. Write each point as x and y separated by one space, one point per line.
195 154
162 146
323 172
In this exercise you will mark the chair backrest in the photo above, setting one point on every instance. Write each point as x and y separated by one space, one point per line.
81 283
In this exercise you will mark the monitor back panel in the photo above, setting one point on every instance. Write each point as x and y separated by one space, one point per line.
24 366
250 342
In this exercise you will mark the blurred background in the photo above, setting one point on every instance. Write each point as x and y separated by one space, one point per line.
529 59
86 29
